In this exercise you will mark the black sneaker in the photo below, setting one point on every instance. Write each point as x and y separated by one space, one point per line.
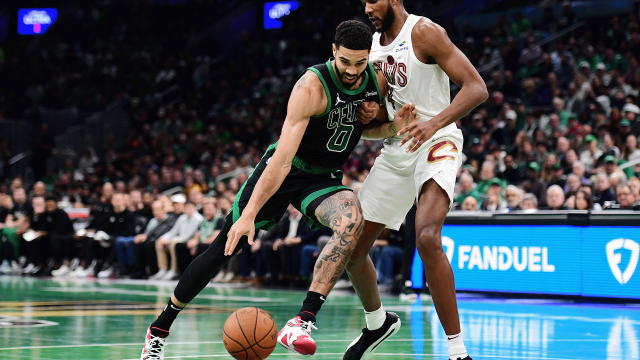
363 347
467 358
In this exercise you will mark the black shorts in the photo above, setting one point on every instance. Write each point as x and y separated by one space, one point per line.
305 187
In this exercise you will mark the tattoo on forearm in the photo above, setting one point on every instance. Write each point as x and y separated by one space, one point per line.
343 214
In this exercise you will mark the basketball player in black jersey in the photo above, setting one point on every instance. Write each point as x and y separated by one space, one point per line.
319 133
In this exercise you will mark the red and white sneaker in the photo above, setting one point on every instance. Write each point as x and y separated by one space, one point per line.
296 336
154 345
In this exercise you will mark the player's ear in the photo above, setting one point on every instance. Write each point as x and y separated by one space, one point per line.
333 47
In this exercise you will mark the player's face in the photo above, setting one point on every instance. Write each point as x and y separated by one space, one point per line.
380 13
349 65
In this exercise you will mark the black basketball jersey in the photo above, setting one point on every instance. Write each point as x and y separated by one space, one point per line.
331 137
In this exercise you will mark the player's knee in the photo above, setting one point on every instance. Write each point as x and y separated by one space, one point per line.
429 243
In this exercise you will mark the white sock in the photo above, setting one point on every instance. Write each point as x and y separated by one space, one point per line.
456 347
375 319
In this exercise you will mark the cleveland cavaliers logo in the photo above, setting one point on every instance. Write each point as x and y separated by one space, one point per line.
432 158
394 71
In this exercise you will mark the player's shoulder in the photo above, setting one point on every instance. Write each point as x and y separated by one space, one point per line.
309 81
426 30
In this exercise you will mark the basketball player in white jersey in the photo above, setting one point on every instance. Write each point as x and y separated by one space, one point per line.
417 59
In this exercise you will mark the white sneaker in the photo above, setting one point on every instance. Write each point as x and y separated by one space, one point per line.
29 269
106 273
170 275
154 346
229 277
5 268
74 263
342 284
219 277
77 271
159 275
296 336
16 269
61 271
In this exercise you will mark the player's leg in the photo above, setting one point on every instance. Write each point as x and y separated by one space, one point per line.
195 278
342 213
433 207
385 201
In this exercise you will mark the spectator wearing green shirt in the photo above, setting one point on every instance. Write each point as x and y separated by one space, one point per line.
488 177
520 24
207 232
466 189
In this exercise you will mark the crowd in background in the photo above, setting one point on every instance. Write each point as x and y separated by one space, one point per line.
558 128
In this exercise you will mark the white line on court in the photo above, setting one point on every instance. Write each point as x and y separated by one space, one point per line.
156 293
375 354
220 342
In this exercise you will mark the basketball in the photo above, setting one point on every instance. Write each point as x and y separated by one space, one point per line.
249 334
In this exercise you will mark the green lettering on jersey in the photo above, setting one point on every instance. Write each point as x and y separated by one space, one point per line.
338 119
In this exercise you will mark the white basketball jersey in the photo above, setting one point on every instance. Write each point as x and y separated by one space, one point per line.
409 79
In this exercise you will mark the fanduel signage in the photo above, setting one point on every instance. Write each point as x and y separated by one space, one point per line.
564 260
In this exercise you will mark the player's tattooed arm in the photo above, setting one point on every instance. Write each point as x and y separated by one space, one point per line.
406 115
342 214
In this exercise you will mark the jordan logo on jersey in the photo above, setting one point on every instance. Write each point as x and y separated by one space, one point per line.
338 101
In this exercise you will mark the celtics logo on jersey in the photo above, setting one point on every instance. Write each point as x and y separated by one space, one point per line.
340 119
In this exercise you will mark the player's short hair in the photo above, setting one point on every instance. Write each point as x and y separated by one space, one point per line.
354 35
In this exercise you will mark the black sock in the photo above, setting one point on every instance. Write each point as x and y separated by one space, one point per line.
311 306
165 320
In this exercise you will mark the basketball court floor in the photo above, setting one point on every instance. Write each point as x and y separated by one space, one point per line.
87 319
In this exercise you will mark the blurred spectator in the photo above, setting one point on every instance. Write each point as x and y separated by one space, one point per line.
529 202
60 233
466 188
282 245
387 255
583 201
513 196
590 156
494 201
625 199
183 230
603 192
207 232
470 203
144 244
21 206
534 184
120 227
555 198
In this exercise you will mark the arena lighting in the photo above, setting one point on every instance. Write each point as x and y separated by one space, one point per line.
275 10
36 21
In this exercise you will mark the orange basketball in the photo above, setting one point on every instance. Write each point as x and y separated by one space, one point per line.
249 334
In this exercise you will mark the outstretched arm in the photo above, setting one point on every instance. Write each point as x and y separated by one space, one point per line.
307 98
431 41
402 118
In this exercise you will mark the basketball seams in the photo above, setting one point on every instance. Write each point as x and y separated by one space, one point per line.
245 337
268 333
237 342
255 331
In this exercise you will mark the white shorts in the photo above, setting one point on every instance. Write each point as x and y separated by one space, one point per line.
397 177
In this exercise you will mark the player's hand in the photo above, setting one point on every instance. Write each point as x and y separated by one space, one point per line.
242 227
367 111
420 132
405 116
